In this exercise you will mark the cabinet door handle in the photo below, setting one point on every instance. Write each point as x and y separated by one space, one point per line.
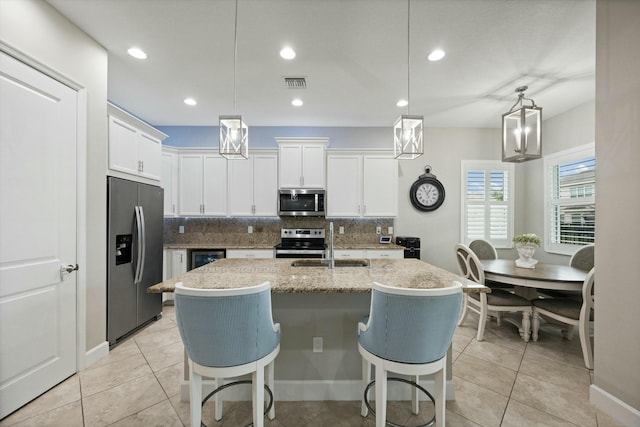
141 165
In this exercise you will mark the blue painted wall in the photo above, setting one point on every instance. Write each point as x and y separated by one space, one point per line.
264 136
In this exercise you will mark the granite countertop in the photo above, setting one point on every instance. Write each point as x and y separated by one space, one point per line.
231 273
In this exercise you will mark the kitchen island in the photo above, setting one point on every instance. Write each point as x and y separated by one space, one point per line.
316 302
285 278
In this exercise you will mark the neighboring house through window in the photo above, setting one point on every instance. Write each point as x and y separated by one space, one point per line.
569 185
487 202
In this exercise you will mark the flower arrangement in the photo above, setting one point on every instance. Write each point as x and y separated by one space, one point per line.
530 239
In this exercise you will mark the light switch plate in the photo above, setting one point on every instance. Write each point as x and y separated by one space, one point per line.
390 230
181 229
378 230
250 229
317 344
341 230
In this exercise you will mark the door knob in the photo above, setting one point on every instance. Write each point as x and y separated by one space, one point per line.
66 269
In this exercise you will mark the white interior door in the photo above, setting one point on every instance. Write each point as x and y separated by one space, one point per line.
38 227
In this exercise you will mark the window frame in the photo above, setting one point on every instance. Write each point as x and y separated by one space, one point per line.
550 161
488 166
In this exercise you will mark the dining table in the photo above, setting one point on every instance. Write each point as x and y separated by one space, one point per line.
542 276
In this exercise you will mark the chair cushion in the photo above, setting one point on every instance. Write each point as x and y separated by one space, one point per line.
500 297
565 307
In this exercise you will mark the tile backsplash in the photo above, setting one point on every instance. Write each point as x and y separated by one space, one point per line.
266 231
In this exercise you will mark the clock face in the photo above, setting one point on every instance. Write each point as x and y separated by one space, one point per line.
427 194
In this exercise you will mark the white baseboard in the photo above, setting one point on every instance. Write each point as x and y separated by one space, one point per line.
614 407
93 355
314 391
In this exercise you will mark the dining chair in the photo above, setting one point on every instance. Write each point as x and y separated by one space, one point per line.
408 332
485 250
228 333
571 312
583 258
496 302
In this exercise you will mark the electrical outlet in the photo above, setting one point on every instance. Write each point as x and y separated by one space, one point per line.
390 230
181 229
317 344
250 229
378 230
341 230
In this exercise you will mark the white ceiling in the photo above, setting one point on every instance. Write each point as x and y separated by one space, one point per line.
353 54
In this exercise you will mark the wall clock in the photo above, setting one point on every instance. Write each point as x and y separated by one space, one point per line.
427 192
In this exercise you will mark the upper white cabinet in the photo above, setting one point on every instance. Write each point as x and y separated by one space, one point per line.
135 148
169 181
301 162
202 185
253 186
362 185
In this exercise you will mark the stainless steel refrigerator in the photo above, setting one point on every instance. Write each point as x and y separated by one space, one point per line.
134 255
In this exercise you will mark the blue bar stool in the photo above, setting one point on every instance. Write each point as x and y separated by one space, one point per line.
408 332
228 333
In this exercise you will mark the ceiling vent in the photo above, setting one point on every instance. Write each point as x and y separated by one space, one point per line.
295 82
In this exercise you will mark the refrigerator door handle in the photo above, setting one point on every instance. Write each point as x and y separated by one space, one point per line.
143 243
136 278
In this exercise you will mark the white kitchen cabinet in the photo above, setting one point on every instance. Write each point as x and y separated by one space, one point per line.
385 253
380 186
362 185
250 253
202 185
253 186
349 253
169 181
178 262
135 148
301 162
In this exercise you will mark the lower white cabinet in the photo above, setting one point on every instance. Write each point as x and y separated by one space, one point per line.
368 253
174 263
385 253
250 253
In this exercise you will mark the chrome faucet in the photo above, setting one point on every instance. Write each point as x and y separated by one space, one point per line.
332 262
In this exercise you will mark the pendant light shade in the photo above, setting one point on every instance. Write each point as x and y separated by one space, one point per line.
234 133
234 137
407 137
407 131
521 136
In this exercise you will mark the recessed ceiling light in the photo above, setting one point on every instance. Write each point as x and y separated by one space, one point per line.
137 53
190 101
402 103
287 53
297 102
436 55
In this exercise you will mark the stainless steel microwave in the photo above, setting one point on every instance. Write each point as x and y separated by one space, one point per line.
301 202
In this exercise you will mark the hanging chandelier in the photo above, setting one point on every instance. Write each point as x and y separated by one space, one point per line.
234 133
407 131
521 136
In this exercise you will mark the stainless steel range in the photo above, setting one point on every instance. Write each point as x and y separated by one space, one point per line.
301 243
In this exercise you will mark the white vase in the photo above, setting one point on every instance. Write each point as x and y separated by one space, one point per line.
526 251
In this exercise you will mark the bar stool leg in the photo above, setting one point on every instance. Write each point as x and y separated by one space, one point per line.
217 400
270 382
381 396
415 403
441 395
366 379
257 386
195 398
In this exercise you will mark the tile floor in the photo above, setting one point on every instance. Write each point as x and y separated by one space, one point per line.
500 381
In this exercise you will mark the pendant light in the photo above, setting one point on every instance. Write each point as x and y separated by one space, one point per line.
407 131
234 133
521 138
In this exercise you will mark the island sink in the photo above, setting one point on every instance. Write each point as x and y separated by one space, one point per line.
316 262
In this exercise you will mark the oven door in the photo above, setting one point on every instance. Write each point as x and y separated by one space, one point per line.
299 253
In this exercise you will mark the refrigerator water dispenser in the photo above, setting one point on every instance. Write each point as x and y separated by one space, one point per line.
123 248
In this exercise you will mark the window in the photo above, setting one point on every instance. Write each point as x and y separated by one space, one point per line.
570 210
487 202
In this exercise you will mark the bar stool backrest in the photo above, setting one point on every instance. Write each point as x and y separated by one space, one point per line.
411 325
226 327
